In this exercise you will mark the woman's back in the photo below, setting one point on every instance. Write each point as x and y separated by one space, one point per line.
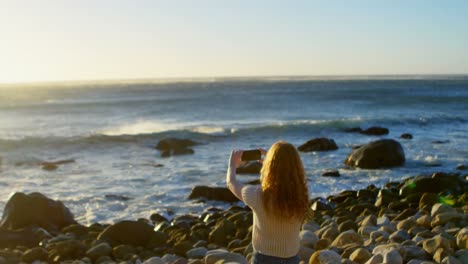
271 235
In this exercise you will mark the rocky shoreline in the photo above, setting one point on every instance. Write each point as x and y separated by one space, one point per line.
423 219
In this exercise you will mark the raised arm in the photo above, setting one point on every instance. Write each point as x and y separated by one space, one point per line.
232 183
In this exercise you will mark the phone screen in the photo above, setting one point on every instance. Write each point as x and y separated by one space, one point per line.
254 154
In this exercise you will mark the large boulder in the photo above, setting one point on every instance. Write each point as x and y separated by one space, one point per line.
377 154
35 210
175 146
213 193
438 182
135 233
318 144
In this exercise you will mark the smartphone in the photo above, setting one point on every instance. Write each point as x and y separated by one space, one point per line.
253 154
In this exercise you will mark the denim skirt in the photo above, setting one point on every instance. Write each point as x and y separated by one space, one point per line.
258 258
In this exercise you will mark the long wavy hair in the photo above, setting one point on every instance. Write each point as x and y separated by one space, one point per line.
284 186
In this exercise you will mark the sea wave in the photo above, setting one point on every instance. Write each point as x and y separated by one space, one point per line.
146 132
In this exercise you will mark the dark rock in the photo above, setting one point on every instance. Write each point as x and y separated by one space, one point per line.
331 173
175 146
251 167
24 210
353 130
25 237
375 131
123 251
65 250
440 141
49 166
76 229
156 218
53 165
213 193
182 151
406 136
318 144
377 154
37 253
461 167
134 233
100 250
385 197
117 197
222 232
347 225
175 143
438 182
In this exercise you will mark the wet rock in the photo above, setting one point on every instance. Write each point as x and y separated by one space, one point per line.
222 232
28 237
35 209
399 236
347 237
33 254
461 167
462 255
440 208
375 259
450 260
331 173
154 260
322 243
384 248
375 131
157 218
360 255
440 141
444 218
251 167
175 146
103 249
213 256
393 256
213 193
53 165
136 233
432 244
377 154
197 253
406 136
325 257
318 144
462 238
414 252
308 238
438 182
428 199
439 255
123 251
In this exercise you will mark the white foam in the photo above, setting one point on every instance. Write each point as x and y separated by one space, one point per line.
139 127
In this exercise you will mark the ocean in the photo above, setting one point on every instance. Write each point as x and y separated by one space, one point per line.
110 130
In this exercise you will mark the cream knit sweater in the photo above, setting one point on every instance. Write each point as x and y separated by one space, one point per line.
270 236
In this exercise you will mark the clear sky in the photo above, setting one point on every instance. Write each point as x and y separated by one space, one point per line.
53 40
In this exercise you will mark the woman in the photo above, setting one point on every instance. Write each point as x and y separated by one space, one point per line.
279 204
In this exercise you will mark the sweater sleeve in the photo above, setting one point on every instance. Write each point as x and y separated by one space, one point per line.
233 184
250 196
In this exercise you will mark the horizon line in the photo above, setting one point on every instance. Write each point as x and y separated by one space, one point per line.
109 81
